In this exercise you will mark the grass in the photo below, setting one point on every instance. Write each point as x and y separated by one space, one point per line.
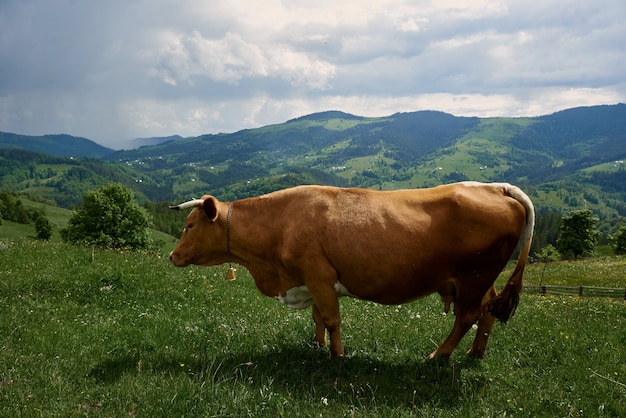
127 334
599 271
606 271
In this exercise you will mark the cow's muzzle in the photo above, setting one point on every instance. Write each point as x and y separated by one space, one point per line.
177 260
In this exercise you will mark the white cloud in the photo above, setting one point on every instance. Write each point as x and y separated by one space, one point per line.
230 59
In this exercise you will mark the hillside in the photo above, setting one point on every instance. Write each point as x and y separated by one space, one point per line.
145 142
64 180
55 145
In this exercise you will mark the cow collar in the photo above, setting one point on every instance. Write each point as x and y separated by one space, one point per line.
230 275
230 209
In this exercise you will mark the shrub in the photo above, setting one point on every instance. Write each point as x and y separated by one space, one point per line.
43 228
618 241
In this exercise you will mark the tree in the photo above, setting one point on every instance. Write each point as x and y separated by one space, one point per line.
109 217
547 255
43 228
578 236
618 241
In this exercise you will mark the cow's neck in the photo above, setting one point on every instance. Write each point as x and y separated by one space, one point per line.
254 239
249 239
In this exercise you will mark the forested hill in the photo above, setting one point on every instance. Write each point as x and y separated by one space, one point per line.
402 150
56 145
575 138
340 136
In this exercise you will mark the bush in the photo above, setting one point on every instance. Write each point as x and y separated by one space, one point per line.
12 209
43 228
618 241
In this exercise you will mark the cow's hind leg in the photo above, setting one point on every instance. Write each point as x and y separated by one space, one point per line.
485 324
459 330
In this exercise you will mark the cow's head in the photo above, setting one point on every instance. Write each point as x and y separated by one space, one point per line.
203 241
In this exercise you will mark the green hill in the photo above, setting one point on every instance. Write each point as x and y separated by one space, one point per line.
403 150
56 145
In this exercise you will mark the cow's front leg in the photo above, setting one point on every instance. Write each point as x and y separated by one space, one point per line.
326 316
320 329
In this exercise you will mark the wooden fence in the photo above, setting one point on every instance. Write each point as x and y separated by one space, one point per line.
588 291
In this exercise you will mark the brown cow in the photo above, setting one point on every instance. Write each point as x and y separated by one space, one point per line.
308 245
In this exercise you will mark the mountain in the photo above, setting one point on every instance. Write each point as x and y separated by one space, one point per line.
405 135
146 142
574 139
402 150
56 145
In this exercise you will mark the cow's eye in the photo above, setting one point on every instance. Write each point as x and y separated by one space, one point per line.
190 226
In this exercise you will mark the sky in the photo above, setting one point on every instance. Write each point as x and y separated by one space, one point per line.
121 69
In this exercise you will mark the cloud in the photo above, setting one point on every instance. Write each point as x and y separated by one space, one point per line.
122 69
230 59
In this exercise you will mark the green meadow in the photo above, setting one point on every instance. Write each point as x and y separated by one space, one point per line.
88 332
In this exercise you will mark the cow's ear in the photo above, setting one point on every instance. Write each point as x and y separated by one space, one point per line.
209 205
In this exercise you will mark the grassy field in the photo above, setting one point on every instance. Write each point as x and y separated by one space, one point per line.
127 334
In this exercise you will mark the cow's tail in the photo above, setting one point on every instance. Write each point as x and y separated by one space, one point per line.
503 306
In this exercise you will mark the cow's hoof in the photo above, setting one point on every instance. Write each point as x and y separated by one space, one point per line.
436 356
317 346
477 354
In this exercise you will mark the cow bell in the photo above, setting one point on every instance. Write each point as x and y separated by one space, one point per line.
230 274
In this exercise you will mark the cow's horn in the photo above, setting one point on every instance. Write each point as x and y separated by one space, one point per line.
191 204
